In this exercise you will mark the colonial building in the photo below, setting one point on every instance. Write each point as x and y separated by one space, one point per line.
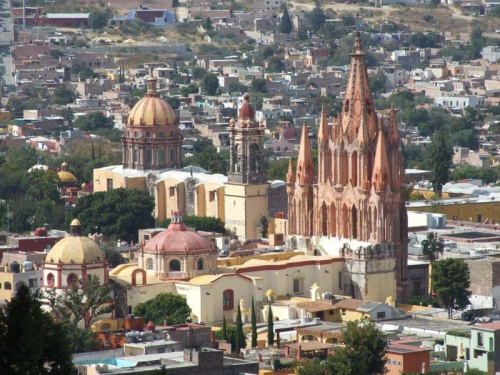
178 253
152 161
354 205
152 140
246 191
72 259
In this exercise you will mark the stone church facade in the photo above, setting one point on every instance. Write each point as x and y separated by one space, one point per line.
354 206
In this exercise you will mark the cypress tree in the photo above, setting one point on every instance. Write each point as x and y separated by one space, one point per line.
270 327
239 331
254 326
224 328
285 22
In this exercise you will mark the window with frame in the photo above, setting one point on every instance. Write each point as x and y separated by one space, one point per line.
175 265
199 264
50 280
171 191
381 315
71 279
296 285
480 339
228 299
211 196
150 264
148 156
109 184
161 156
7 286
32 283
343 311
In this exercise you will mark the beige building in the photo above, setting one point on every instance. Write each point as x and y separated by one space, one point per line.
151 162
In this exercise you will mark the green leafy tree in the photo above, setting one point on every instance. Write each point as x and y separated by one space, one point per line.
210 160
210 84
85 301
63 96
432 246
98 18
364 350
164 307
254 325
119 213
236 87
441 154
93 121
275 64
451 281
31 343
466 171
285 22
69 116
231 332
378 82
317 18
302 32
207 25
206 223
259 85
239 331
112 255
190 89
264 226
465 138
198 72
270 326
476 44
224 328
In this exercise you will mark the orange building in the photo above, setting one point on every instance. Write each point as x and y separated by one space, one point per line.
407 357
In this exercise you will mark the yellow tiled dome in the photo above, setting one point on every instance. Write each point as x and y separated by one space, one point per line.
151 110
66 176
75 250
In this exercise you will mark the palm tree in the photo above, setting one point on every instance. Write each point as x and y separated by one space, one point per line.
432 246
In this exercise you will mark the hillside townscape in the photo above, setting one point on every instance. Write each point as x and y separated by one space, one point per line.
250 187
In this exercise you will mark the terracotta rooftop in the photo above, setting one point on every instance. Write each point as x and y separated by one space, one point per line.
316 306
349 304
495 326
310 346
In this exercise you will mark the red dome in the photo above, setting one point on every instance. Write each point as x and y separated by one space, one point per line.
246 110
176 239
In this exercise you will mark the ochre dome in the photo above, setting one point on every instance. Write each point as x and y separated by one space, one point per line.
177 239
151 111
66 176
75 249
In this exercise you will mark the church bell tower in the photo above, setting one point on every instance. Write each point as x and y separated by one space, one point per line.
247 187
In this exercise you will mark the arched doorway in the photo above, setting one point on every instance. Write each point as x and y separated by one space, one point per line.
324 220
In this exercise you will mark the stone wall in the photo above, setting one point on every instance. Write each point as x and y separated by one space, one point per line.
484 275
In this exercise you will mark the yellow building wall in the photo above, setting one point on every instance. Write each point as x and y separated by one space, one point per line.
244 205
101 181
465 211
229 262
380 286
6 294
175 201
278 226
200 201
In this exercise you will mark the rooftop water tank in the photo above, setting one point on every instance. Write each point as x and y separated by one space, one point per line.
27 265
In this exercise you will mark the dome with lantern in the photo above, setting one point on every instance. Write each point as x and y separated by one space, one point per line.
65 175
152 110
72 259
152 140
178 252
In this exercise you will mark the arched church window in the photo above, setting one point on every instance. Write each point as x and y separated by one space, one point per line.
254 158
148 134
161 156
71 279
160 135
228 299
148 156
50 280
136 134
149 264
175 265
171 155
199 264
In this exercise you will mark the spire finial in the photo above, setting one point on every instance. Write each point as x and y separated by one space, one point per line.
358 45
151 83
